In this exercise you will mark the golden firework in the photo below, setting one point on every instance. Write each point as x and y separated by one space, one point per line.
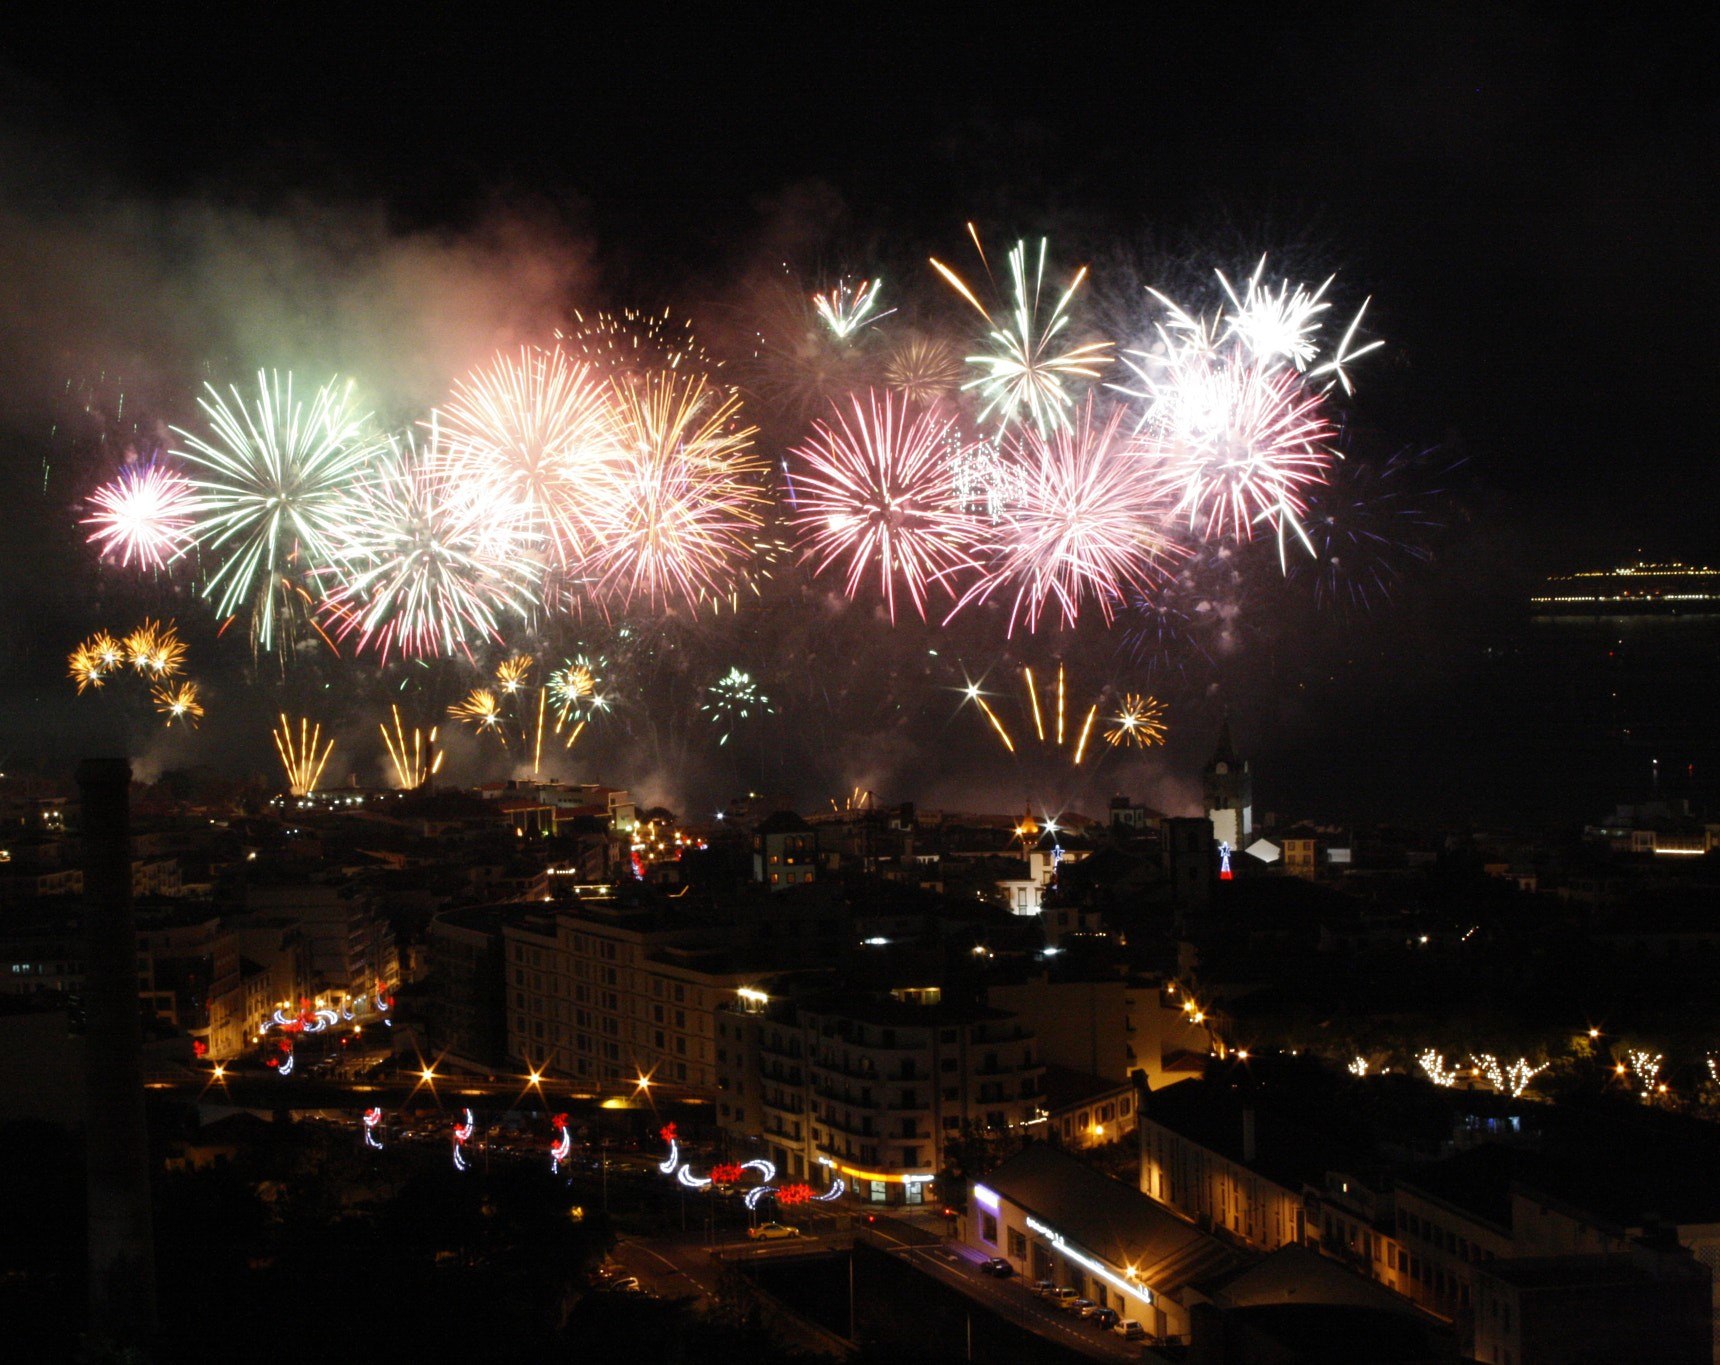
304 757
178 701
1140 722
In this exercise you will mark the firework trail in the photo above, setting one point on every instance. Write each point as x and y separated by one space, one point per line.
415 761
1092 525
1030 366
143 516
271 484
303 757
874 495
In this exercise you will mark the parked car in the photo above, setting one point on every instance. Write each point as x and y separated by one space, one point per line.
999 1267
1079 1307
1103 1318
1090 1309
1130 1330
1041 1287
1061 1295
769 1232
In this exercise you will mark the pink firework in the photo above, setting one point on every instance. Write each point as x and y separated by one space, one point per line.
532 428
873 493
674 507
1092 524
143 516
1237 441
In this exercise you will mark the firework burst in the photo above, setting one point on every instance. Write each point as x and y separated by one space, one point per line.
1031 365
142 516
1092 525
1140 722
681 496
155 650
93 661
873 493
512 672
178 701
482 711
576 689
272 483
1233 408
846 309
532 429
427 564
732 700
923 370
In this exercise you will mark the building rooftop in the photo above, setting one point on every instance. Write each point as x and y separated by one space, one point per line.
1587 1272
1111 1220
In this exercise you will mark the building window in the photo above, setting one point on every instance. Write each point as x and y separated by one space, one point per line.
1017 1244
988 1227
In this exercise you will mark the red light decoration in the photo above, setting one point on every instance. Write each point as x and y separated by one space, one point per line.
794 1194
667 1132
559 1121
727 1173
199 1048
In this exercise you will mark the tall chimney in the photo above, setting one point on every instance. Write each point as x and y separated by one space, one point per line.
121 1233
1248 1135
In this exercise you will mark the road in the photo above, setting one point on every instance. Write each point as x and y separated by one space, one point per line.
682 1266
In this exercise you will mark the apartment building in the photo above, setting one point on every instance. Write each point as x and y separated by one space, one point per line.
608 993
869 1090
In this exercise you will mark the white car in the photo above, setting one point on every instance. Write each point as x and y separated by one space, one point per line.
1130 1330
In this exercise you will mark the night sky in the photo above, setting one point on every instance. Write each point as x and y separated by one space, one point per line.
1527 193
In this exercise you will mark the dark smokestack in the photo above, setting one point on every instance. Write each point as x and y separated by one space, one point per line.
122 1239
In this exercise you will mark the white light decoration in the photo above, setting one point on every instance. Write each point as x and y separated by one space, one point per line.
1358 1067
1139 1291
767 1172
1433 1063
287 1066
667 1164
560 1151
693 1182
1645 1066
834 1192
372 1117
1510 1080
756 1193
